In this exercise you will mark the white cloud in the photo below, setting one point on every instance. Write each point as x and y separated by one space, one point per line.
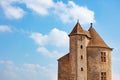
10 11
39 6
5 28
66 12
39 38
52 54
11 71
56 37
71 12
26 71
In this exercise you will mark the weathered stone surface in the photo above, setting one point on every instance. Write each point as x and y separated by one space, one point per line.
83 62
63 68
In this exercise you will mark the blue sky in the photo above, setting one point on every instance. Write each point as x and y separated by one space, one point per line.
33 34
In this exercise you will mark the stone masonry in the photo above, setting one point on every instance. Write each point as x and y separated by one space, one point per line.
89 57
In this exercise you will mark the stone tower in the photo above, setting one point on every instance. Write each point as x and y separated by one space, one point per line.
89 57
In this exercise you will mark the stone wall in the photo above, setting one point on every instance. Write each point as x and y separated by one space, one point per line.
95 66
73 58
81 63
63 68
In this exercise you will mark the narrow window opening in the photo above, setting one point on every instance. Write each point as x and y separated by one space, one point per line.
81 57
81 69
81 46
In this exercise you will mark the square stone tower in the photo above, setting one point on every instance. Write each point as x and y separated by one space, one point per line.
89 57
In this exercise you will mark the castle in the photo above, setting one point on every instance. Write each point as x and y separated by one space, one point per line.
89 57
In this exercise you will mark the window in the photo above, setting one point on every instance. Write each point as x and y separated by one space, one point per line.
81 57
81 69
103 76
103 56
81 46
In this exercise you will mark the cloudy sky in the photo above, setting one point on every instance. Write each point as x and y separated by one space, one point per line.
34 34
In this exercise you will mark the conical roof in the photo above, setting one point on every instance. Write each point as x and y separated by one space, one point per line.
77 29
96 40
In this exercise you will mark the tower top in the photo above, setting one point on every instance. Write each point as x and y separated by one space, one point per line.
77 29
95 39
